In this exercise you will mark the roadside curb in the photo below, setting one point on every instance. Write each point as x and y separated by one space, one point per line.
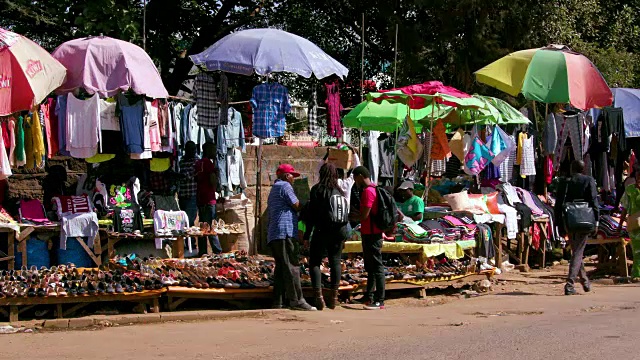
130 319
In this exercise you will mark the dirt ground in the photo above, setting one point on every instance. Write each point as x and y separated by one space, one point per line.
525 316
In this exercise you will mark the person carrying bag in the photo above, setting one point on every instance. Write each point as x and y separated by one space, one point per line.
577 207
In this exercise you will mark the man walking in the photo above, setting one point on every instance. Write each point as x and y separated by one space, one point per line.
371 240
283 206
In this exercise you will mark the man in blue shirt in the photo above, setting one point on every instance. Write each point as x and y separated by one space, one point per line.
283 206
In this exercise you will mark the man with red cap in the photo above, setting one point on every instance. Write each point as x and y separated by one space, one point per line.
283 206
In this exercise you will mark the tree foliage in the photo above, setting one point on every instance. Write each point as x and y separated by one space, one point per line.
437 39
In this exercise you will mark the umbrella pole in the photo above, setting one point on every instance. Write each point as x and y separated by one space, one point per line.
427 180
395 163
258 214
535 114
360 131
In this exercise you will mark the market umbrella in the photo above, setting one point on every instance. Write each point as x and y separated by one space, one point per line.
629 101
266 51
494 112
428 88
386 116
28 73
107 66
554 74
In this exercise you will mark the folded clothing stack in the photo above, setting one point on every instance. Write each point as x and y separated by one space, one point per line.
608 227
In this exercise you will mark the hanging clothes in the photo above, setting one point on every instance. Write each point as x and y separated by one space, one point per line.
569 124
334 108
204 92
456 145
409 149
132 124
21 156
440 146
550 135
51 127
110 134
233 132
83 126
38 150
11 126
5 165
528 165
235 169
477 158
61 112
374 155
386 147
501 146
155 142
519 151
312 115
270 104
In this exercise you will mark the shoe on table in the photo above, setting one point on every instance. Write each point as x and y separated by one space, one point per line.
377 305
303 307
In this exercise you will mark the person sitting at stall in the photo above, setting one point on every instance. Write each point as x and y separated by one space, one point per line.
410 205
630 204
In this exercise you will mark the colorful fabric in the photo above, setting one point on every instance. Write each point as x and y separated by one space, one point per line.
334 107
204 91
521 138
528 166
456 145
440 148
270 104
501 146
409 148
282 217
477 158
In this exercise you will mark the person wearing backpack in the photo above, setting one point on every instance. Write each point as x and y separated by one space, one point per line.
328 219
377 214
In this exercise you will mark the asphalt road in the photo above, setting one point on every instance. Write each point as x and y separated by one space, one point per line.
527 324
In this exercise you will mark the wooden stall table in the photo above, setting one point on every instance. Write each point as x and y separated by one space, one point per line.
18 305
619 262
177 295
54 229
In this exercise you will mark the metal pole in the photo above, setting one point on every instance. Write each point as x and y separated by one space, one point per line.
258 215
144 26
395 61
361 82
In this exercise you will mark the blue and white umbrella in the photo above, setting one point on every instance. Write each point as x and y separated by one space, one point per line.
266 51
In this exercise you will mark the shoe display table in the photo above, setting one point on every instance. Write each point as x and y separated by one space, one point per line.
177 295
612 254
18 305
454 250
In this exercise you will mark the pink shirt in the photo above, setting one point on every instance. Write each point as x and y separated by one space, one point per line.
368 200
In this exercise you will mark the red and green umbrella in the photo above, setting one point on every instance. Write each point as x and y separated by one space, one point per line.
554 74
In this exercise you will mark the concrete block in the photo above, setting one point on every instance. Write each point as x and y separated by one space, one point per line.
56 324
81 322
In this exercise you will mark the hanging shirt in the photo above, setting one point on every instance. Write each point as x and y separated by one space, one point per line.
374 155
5 166
334 108
235 169
456 145
132 124
528 166
206 194
521 139
440 146
34 142
312 115
501 146
233 132
204 91
155 143
110 134
477 158
21 157
51 127
12 141
61 112
270 103
387 156
83 126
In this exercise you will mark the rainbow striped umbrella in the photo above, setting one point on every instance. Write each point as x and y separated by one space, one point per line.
554 74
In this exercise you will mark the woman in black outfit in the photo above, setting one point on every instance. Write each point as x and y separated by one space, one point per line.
328 237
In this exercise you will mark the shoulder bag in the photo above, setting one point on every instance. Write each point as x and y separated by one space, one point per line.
578 216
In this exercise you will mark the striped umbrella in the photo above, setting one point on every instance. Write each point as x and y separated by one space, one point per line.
554 74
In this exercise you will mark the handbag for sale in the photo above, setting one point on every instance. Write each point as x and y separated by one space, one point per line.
578 216
633 221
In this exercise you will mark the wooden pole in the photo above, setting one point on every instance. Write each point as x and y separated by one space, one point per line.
428 177
360 131
258 207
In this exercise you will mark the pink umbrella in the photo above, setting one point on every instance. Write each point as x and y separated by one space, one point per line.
429 88
108 66
28 73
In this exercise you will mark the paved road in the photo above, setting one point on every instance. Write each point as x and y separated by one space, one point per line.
533 325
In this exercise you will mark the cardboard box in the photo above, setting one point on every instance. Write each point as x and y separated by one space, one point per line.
342 159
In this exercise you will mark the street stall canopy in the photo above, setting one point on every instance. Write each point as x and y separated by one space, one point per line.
629 101
107 66
265 51
554 74
28 73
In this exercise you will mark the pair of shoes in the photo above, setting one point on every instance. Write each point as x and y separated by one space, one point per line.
303 307
377 305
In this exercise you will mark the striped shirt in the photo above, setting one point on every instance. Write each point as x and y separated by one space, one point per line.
283 219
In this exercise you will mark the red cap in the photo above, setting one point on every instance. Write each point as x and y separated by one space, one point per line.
287 169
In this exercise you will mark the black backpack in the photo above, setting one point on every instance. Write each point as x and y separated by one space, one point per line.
386 216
